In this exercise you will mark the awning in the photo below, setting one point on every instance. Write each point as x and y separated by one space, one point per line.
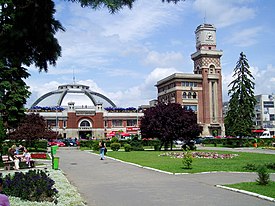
124 134
258 130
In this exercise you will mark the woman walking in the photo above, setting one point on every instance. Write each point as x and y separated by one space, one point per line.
102 149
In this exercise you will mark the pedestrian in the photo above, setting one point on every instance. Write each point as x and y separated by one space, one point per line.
4 200
102 149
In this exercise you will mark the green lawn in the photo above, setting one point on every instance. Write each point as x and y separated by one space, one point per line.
267 190
175 165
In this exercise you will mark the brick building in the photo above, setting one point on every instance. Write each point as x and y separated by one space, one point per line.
74 110
200 91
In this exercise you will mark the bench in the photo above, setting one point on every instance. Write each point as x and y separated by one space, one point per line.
8 164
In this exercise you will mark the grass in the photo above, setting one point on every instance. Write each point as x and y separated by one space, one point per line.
175 165
266 190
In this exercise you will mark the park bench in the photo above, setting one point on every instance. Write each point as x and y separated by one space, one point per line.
9 164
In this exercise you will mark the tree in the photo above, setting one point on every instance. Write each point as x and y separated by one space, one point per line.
169 122
27 30
112 5
32 127
239 118
27 36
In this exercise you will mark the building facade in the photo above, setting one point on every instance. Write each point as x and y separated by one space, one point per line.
200 91
265 112
74 110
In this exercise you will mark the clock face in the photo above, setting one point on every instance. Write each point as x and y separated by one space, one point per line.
209 36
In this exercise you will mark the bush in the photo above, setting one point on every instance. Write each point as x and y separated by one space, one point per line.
34 185
114 139
95 145
251 167
127 147
187 160
115 146
270 166
263 175
137 146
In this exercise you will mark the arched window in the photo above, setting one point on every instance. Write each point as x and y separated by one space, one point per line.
189 95
85 123
194 95
184 95
212 69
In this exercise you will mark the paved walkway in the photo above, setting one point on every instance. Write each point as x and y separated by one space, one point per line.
112 183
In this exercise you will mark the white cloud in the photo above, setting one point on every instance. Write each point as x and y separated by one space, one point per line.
166 59
245 37
141 94
224 13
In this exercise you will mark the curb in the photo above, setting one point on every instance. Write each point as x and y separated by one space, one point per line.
247 193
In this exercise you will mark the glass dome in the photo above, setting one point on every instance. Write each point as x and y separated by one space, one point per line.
81 95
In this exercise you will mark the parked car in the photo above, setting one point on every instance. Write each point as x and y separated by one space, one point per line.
70 142
59 143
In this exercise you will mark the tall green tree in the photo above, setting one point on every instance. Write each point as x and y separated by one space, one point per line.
169 122
27 30
27 37
239 118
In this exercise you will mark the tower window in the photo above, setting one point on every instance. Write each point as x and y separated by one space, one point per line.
184 95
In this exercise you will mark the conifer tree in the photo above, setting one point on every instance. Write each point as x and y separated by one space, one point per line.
239 118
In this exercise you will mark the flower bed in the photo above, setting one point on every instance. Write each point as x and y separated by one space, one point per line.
67 194
207 155
39 156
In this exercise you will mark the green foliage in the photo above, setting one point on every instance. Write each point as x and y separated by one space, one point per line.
34 185
112 6
136 145
263 175
270 165
187 160
115 146
239 118
250 167
95 145
127 147
114 139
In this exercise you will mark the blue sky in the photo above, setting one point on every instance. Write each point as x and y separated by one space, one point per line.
123 55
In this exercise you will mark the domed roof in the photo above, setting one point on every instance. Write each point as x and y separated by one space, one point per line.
77 93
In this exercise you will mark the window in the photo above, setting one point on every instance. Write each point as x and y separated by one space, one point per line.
194 95
85 123
272 117
268 104
189 95
131 122
184 95
192 107
117 123
64 123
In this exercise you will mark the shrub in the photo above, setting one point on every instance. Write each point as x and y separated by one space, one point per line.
263 175
127 147
137 146
251 167
187 160
34 185
115 146
114 139
270 166
95 145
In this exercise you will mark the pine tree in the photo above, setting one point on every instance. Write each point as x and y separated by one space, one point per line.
239 118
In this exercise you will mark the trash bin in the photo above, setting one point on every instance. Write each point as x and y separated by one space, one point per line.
55 163
53 149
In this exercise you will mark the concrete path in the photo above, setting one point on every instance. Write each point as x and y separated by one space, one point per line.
112 183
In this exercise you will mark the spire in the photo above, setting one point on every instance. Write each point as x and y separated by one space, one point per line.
73 77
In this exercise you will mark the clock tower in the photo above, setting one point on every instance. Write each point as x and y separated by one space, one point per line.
207 64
